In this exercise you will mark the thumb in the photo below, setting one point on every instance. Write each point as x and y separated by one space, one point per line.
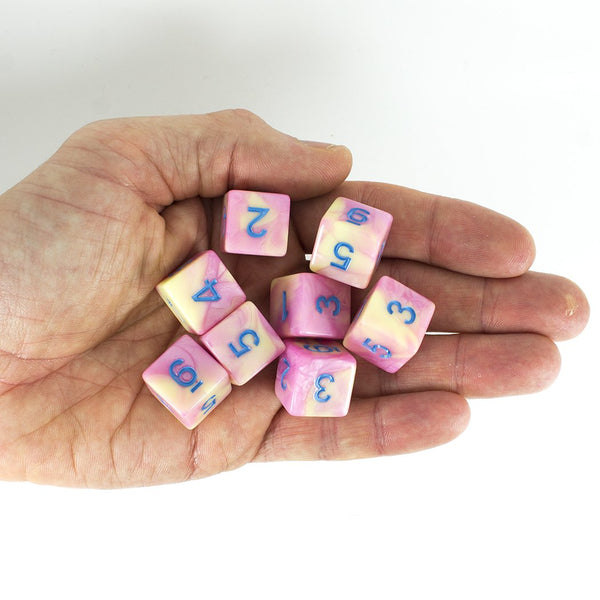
173 158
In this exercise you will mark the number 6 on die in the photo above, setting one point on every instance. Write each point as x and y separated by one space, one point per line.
187 381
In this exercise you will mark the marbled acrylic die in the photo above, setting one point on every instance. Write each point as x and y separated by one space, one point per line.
255 223
201 293
350 241
244 343
315 378
390 326
309 305
187 381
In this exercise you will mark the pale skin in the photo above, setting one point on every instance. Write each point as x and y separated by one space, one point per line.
88 235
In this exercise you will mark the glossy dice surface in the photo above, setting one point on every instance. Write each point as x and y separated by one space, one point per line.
201 293
390 326
244 343
188 381
310 305
349 242
255 223
315 378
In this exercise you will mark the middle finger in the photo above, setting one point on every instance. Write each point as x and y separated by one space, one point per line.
470 364
534 302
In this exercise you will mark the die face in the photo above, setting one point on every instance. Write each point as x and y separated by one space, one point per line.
244 343
187 381
391 325
309 305
350 241
315 378
201 293
255 223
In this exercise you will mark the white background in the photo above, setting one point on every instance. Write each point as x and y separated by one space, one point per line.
494 102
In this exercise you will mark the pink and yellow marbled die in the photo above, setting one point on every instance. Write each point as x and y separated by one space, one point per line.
309 305
350 241
315 378
201 293
244 343
188 381
390 326
255 223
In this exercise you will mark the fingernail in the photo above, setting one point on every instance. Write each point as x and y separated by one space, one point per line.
321 145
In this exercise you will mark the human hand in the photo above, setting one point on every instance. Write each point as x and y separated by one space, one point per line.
87 236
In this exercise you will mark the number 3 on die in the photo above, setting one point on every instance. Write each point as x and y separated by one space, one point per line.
410 317
320 387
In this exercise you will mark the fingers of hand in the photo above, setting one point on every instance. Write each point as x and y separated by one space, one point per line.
450 233
533 302
473 365
173 158
374 427
394 416
185 233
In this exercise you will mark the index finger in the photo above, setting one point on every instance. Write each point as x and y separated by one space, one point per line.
446 232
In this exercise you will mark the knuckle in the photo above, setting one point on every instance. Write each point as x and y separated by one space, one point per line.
236 119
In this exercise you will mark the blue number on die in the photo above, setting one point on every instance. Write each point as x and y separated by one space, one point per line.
179 379
345 259
358 216
261 213
321 300
412 315
380 253
321 348
209 404
284 310
387 353
320 389
282 383
243 346
209 286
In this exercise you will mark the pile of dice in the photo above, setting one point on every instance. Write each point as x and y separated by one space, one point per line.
310 311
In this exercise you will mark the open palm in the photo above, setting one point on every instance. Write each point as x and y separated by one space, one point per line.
87 236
